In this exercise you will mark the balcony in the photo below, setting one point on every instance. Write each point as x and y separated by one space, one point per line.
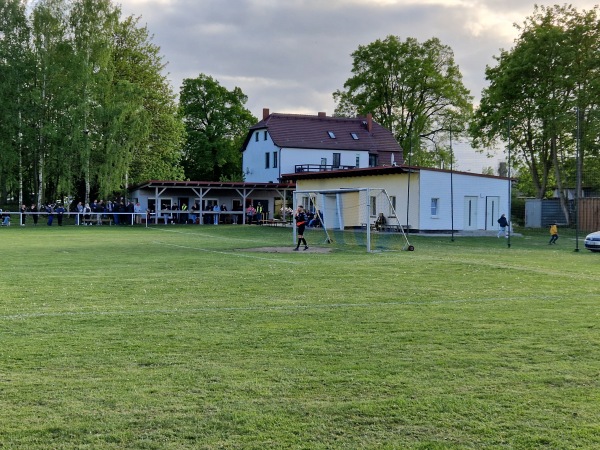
320 168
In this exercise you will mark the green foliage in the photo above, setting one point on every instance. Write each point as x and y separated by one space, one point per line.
14 63
155 132
89 110
216 122
185 339
534 93
517 209
414 89
489 170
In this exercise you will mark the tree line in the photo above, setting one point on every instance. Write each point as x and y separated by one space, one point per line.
542 103
87 111
84 106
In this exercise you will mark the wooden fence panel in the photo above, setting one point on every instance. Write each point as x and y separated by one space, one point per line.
589 214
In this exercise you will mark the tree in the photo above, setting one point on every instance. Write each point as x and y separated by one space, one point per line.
51 96
154 129
536 92
15 63
414 89
85 106
216 123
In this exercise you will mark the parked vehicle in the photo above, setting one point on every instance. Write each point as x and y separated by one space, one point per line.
592 241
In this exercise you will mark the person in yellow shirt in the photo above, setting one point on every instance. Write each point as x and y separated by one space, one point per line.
553 234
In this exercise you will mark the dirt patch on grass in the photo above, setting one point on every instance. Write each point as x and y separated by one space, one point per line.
288 250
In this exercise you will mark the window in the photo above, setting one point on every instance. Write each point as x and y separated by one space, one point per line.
434 207
392 212
354 136
209 203
265 136
373 206
323 163
275 160
337 157
256 136
304 201
372 160
331 134
267 160
357 163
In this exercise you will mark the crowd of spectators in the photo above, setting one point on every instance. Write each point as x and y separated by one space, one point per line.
125 212
118 212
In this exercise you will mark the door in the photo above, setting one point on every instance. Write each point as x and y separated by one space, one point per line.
470 213
492 212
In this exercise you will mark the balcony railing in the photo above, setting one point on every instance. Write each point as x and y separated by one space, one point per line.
320 167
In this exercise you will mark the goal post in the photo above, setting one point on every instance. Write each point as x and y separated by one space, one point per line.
363 217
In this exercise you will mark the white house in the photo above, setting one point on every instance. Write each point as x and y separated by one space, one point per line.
289 143
437 200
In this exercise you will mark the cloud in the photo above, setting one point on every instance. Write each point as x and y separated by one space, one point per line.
290 56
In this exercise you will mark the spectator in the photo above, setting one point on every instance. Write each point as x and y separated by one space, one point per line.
217 216
250 213
80 209
5 218
34 213
194 213
60 210
380 222
50 212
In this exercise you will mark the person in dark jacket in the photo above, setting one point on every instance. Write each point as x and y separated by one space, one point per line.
301 219
34 213
503 223
60 210
50 212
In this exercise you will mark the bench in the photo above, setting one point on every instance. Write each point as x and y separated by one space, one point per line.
273 222
395 227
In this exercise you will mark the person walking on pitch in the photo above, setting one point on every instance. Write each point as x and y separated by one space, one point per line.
301 219
503 223
553 233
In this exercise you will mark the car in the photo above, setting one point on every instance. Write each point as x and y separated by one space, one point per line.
592 241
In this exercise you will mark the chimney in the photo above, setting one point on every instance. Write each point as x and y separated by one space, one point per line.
322 114
265 113
369 122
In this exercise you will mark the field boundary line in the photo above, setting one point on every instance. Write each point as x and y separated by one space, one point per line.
439 302
221 252
208 235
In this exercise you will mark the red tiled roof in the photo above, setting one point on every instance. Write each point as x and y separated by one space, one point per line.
311 132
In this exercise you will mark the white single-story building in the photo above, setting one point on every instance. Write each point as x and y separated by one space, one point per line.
427 200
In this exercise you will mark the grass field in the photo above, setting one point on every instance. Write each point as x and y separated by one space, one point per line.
177 337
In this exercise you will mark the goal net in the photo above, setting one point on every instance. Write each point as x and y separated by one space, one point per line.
360 218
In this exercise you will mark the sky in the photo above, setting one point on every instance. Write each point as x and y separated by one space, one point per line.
291 55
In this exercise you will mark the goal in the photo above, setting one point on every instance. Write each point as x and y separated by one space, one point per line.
352 218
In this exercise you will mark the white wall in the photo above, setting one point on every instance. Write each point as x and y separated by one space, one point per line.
253 159
288 158
436 184
424 186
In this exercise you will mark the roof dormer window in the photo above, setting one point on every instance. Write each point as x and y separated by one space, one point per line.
354 136
331 134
